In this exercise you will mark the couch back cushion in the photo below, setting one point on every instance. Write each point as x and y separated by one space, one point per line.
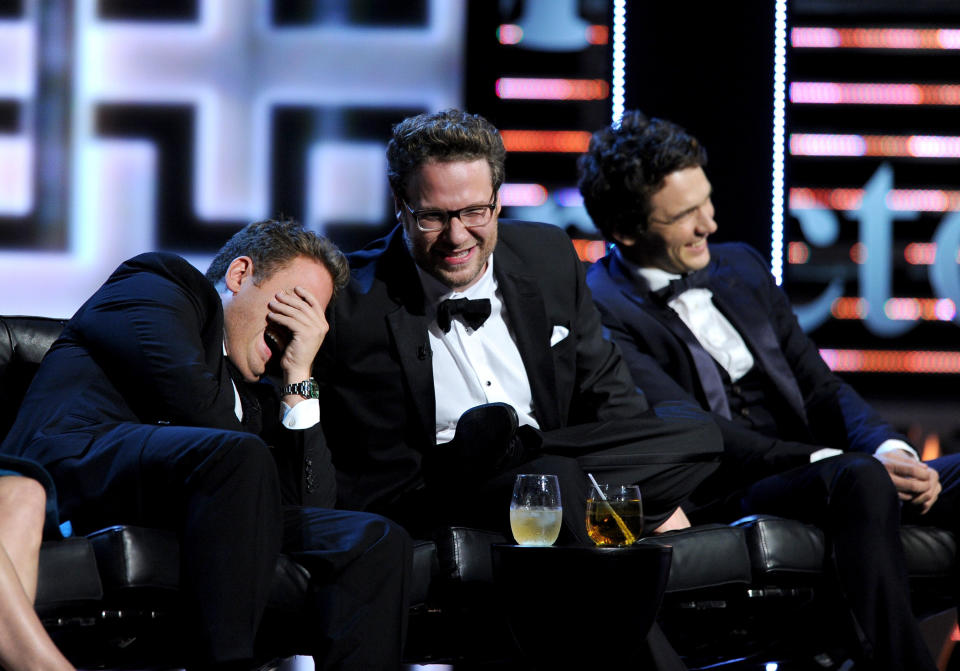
23 343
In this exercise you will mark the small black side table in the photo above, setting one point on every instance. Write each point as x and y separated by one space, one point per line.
572 606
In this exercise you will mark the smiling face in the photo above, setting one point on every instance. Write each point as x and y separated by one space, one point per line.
246 328
680 221
455 255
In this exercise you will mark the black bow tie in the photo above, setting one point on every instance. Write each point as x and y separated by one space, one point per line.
698 279
473 312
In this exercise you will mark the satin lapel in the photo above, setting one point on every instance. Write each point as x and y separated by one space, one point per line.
636 290
408 324
528 321
749 318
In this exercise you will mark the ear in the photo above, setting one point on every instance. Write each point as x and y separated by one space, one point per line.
624 240
239 271
397 208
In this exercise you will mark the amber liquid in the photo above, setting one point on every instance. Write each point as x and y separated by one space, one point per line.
603 528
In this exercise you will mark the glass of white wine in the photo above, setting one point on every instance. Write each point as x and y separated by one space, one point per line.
535 509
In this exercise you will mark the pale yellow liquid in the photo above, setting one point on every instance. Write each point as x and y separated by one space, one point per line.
535 525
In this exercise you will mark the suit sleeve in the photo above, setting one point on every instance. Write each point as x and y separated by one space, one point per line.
147 333
836 414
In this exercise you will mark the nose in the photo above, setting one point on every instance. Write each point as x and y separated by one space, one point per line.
706 224
455 232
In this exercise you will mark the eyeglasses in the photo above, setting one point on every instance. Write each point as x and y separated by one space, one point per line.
431 221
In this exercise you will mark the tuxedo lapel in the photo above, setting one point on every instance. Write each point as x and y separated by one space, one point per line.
636 290
531 328
408 325
749 318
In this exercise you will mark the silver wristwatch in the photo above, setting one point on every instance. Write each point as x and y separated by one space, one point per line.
307 389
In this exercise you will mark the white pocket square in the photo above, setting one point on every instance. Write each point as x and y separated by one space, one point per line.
559 333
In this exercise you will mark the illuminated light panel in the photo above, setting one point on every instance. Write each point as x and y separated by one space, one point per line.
931 448
849 308
509 33
779 132
908 200
523 195
835 93
874 38
901 309
590 250
858 253
570 197
798 253
922 253
618 76
891 361
557 141
598 34
917 146
527 88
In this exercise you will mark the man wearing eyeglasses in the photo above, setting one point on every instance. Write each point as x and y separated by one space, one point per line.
466 350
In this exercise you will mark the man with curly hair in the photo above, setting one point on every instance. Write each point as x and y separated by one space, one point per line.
706 323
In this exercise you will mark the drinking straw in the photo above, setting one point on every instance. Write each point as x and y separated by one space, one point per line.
627 536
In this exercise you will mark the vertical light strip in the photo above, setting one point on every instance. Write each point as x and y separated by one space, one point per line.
618 80
779 121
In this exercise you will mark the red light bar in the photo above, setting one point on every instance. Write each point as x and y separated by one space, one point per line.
874 38
916 146
837 93
563 141
891 361
528 88
911 200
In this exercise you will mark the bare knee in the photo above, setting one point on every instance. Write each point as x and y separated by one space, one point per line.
22 510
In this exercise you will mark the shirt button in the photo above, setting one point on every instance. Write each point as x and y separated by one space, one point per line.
745 412
489 383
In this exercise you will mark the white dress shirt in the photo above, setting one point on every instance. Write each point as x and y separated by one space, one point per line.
473 367
723 342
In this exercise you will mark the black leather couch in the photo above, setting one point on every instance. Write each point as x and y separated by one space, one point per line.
753 590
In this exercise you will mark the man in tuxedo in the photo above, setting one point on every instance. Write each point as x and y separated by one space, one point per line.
455 329
152 409
706 323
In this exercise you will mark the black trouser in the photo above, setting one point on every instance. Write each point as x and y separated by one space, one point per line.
852 499
220 492
667 457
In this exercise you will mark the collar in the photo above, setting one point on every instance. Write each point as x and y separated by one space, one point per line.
654 277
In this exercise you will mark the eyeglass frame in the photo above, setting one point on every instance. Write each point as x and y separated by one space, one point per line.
449 214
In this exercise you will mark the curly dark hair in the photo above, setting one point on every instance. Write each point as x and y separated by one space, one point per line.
272 244
448 135
626 164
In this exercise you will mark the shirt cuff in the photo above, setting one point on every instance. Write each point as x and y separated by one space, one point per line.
891 444
303 415
824 453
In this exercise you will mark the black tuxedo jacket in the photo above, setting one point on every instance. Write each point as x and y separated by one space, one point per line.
147 348
376 372
667 361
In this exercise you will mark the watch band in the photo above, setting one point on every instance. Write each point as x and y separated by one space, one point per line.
307 389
